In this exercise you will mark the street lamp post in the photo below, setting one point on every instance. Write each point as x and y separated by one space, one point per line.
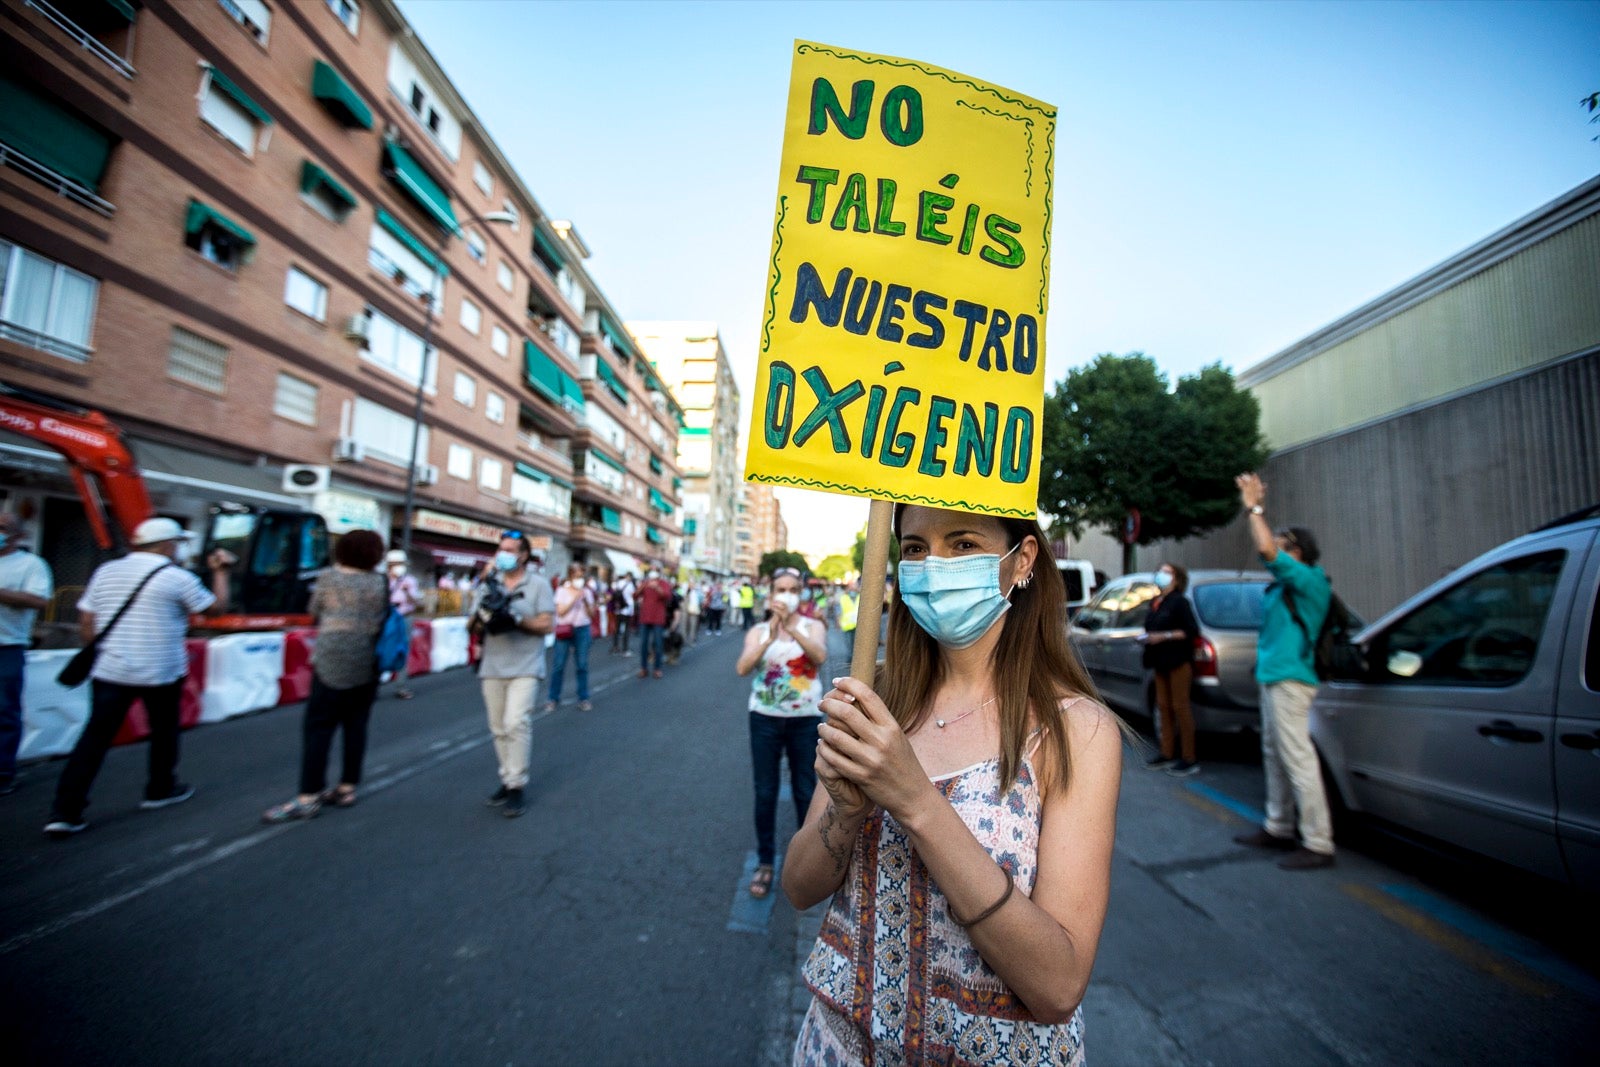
431 300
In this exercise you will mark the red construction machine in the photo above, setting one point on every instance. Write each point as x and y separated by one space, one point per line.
279 551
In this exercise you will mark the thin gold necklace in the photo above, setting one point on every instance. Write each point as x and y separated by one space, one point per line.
942 723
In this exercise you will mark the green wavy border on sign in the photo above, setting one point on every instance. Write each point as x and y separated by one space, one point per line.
946 75
1027 122
777 273
882 494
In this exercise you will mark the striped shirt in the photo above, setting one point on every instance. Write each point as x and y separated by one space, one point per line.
147 646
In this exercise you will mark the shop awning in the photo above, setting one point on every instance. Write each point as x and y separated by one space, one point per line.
51 134
199 215
398 230
336 94
621 562
409 175
611 520
603 458
660 502
240 97
313 177
609 377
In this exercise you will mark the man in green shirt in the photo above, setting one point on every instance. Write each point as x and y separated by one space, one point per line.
1296 603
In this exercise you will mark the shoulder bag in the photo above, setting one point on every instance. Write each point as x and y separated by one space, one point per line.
78 668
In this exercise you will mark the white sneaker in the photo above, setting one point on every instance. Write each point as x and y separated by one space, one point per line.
179 794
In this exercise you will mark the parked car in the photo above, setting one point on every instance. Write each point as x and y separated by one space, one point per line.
1472 712
1079 576
1228 605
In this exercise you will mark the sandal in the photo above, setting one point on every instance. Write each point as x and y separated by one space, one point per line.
761 881
292 811
339 797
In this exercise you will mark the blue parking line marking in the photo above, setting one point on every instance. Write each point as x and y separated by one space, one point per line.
1238 807
751 915
1524 950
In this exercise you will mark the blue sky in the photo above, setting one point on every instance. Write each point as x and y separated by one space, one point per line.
1230 176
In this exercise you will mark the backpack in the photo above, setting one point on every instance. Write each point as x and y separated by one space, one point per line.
394 640
1332 649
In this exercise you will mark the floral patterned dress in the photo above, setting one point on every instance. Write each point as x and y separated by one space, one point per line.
896 981
786 684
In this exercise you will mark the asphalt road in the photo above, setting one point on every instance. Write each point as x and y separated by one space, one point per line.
610 925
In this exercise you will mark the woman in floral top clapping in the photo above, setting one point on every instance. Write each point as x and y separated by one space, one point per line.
785 653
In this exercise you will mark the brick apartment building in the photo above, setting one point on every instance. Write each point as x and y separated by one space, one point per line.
759 527
221 222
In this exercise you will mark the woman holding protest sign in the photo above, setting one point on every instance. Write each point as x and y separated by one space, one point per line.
967 815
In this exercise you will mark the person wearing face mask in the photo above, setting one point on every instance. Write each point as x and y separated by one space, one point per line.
405 595
654 604
967 815
784 694
1170 631
512 609
575 613
25 588
142 657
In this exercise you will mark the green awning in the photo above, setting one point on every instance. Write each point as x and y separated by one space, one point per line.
655 463
562 482
677 483
123 8
609 377
548 247
343 102
399 232
51 134
611 520
659 502
653 535
199 214
529 471
541 372
409 175
603 458
572 392
690 525
240 97
618 336
696 431
313 176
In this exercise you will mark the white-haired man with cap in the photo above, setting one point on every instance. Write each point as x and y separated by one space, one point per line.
143 657
405 594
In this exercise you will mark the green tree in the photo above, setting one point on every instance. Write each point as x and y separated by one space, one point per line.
1116 436
771 561
835 568
858 551
1592 102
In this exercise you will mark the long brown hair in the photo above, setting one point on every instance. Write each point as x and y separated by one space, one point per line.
1041 670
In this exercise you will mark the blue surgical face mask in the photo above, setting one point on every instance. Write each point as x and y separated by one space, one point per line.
955 599
1163 580
505 561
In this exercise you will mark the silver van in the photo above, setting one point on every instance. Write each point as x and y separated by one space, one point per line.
1228 606
1472 712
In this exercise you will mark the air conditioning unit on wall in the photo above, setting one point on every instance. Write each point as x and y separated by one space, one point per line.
349 450
305 478
357 327
427 474
522 507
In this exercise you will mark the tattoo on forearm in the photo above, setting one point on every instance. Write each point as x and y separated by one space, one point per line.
830 832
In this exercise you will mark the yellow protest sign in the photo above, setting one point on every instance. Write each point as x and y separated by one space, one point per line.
902 343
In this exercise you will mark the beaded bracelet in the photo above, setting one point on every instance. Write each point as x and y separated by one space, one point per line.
992 908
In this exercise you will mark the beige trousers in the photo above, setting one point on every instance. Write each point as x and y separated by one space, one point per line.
1290 764
510 703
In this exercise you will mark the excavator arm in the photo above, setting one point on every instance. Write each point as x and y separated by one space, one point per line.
101 466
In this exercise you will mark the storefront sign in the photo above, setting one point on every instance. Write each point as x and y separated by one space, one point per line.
344 512
902 348
455 526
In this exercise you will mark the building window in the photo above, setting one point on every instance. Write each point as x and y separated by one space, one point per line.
471 317
500 341
305 294
327 196
491 474
295 399
347 12
494 407
466 389
253 15
196 360
227 115
476 248
393 258
482 178
386 435
216 237
397 350
459 462
504 277
45 305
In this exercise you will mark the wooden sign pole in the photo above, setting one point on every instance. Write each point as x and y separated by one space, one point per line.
869 609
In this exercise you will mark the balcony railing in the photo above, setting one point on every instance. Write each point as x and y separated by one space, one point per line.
390 269
62 186
534 443
83 39
22 335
